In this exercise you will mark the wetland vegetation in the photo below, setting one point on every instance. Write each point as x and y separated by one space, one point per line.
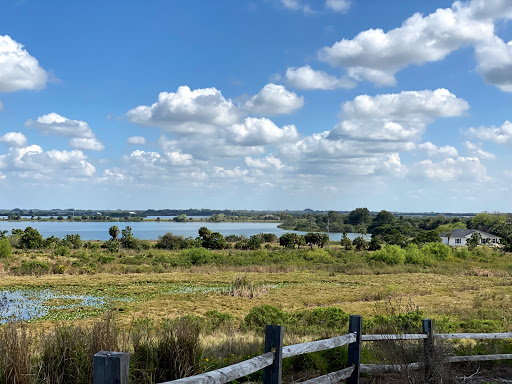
208 298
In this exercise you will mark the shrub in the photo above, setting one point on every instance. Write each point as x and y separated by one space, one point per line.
438 251
5 248
260 316
62 250
389 254
31 268
413 255
199 256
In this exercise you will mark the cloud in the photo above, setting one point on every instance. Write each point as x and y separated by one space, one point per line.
338 5
476 151
254 132
434 151
136 140
14 139
396 117
87 144
54 124
499 135
307 78
266 162
19 70
296 5
459 169
187 111
32 162
376 56
274 100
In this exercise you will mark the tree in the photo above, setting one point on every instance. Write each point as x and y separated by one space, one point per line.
204 233
287 240
113 232
474 240
359 216
214 241
31 238
382 218
127 239
181 218
448 236
359 243
73 241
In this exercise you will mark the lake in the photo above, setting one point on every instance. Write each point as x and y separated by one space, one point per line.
150 230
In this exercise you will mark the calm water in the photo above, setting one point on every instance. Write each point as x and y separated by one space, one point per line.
26 304
149 230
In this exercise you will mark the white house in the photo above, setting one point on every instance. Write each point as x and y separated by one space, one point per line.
458 237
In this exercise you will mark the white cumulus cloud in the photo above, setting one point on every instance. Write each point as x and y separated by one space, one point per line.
187 111
260 131
136 140
54 124
459 169
499 135
274 100
376 56
434 151
396 117
87 144
307 78
476 151
18 69
14 139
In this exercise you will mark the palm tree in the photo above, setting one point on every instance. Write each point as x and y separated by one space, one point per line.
448 235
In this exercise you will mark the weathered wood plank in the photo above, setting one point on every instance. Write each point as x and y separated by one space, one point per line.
230 373
320 345
505 335
388 368
458 359
331 378
412 336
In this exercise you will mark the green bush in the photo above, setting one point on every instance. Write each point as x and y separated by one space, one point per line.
199 256
413 255
438 251
31 268
389 254
62 250
260 316
5 248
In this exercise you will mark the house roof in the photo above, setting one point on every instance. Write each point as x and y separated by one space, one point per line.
467 233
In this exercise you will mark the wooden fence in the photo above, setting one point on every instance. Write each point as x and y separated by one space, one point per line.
113 367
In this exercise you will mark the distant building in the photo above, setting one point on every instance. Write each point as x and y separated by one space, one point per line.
458 237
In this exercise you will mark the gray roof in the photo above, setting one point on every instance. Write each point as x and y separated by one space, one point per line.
467 233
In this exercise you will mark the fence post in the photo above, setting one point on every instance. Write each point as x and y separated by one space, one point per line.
111 368
428 349
355 324
274 343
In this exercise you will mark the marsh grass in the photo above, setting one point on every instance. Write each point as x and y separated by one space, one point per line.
16 341
242 286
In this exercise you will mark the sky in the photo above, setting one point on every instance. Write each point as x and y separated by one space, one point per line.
256 104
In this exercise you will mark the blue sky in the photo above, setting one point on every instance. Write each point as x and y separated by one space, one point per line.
270 104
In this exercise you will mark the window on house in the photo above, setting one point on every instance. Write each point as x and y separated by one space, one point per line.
457 241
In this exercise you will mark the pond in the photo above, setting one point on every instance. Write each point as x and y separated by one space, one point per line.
28 304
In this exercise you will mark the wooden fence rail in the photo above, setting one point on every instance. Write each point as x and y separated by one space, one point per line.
112 367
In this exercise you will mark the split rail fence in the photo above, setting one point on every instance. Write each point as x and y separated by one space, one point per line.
113 367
